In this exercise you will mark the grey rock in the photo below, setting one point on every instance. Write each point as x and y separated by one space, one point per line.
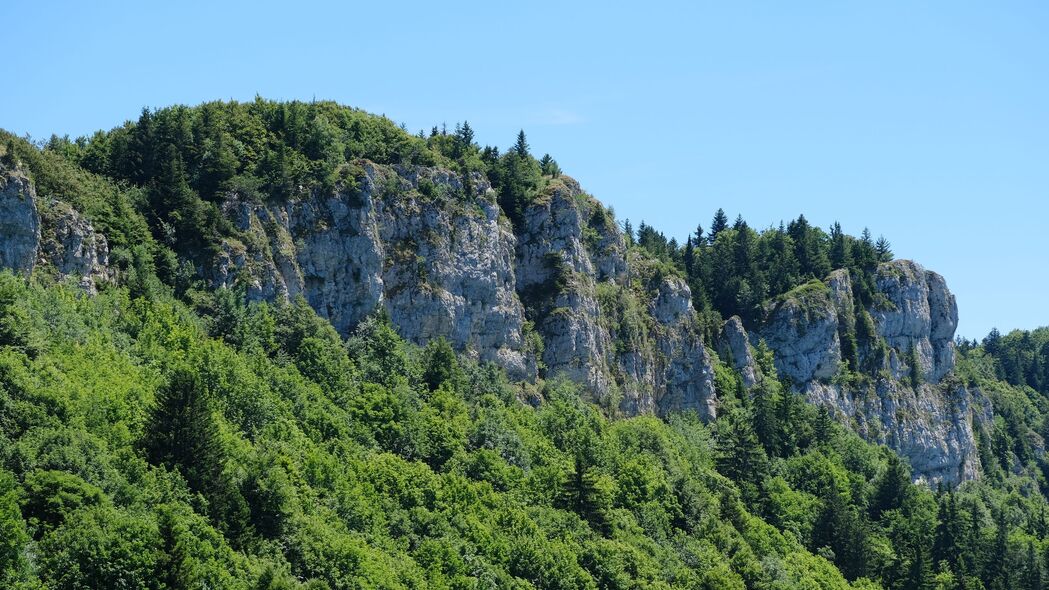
49 236
932 426
734 348
19 222
70 244
917 312
420 242
802 331
930 422
556 280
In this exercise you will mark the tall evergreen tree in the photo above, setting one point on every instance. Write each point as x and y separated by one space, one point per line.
840 254
717 225
739 454
891 486
587 495
521 146
183 436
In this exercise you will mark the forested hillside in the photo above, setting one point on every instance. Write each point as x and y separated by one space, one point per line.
167 425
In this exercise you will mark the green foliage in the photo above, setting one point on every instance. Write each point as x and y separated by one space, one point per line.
152 447
162 435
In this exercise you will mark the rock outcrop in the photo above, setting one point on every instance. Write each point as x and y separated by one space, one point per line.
918 312
559 293
434 251
884 370
734 348
70 244
19 222
48 236
423 243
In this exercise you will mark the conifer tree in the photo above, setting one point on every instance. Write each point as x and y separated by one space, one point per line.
891 486
587 495
840 255
883 249
549 166
183 436
738 452
823 428
717 225
521 146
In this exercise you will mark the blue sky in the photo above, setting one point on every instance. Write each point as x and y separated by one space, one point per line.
926 122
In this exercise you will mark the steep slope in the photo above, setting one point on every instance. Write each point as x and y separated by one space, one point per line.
48 236
560 293
885 370
196 422
436 254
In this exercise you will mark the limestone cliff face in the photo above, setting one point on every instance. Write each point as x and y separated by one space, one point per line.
48 236
919 312
616 322
559 293
558 296
71 246
421 242
734 346
899 392
19 222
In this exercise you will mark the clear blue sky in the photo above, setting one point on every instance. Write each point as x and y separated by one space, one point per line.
926 121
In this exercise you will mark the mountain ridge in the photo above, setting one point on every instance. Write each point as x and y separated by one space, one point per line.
560 289
290 346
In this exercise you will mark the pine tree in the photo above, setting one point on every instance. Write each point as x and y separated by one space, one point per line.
689 259
717 225
823 428
839 248
549 166
786 419
891 486
587 495
521 146
766 418
465 135
948 530
182 436
997 573
738 452
883 249
1032 572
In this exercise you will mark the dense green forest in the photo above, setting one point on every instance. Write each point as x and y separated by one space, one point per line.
164 435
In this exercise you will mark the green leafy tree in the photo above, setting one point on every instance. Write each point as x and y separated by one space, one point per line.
440 364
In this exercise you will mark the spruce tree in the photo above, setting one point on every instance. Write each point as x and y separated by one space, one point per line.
181 435
840 255
521 146
823 427
717 225
549 166
883 249
891 486
585 494
739 454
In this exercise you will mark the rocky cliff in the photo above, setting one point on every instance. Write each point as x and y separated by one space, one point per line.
48 236
884 369
560 293
433 249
